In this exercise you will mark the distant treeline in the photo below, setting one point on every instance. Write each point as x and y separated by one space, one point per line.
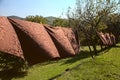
54 21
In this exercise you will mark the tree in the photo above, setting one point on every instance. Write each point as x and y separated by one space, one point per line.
60 22
113 23
89 17
38 19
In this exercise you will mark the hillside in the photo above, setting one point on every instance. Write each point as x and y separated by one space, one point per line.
16 17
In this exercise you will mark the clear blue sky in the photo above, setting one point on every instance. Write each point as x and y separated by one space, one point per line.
45 8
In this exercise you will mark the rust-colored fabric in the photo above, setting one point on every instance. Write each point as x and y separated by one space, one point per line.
72 38
9 42
61 41
36 42
103 38
107 38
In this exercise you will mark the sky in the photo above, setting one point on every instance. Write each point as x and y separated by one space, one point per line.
23 8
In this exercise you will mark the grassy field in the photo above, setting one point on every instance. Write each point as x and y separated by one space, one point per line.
106 66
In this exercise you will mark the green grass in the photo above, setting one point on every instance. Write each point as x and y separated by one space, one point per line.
48 70
106 66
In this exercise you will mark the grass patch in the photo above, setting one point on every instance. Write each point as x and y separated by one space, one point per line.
103 67
106 66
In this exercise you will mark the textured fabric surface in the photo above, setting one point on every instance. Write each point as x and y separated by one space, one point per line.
107 38
61 42
102 37
36 42
9 42
72 38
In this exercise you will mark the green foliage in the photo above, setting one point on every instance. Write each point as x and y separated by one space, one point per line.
90 16
50 20
38 19
113 25
60 22
11 62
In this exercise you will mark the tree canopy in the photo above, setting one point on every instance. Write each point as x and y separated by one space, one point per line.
60 22
90 16
37 18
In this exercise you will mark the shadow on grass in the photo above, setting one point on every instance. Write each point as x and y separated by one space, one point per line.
105 50
81 55
10 74
117 46
87 54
